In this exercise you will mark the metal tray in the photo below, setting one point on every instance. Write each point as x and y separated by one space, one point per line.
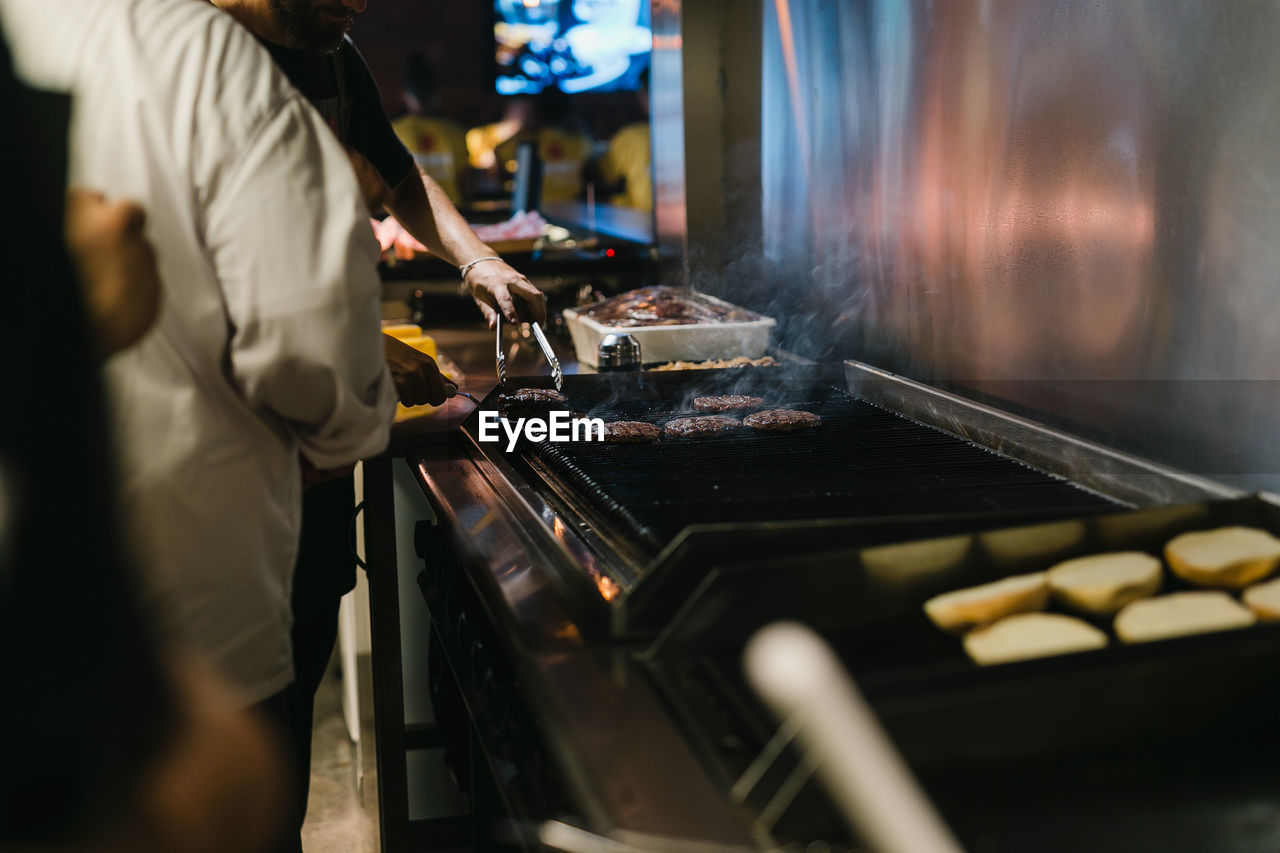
689 342
1159 746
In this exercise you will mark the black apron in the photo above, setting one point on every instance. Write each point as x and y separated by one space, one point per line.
326 569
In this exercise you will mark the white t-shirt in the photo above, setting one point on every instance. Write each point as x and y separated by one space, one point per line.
268 338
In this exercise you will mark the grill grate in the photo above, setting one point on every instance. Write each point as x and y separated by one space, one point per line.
863 461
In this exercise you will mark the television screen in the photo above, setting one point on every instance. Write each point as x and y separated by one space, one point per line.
577 45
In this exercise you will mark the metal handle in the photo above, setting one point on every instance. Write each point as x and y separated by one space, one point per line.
804 683
556 375
500 358
564 837
452 390
351 536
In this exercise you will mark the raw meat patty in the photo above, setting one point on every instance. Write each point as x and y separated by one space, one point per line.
630 432
781 420
729 403
701 427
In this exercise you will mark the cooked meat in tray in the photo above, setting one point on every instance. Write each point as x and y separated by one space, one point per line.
664 306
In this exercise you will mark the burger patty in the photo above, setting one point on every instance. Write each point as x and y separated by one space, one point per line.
728 403
630 432
701 427
781 420
534 397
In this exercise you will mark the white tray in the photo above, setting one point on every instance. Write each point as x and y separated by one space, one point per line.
693 342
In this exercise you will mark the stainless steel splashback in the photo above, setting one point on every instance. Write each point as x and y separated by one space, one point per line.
666 106
706 134
1070 207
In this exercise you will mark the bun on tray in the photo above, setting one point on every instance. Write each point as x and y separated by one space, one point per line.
1100 585
1180 614
977 605
1227 558
1031 635
1264 600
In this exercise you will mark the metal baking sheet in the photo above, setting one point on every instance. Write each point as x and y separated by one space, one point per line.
1153 746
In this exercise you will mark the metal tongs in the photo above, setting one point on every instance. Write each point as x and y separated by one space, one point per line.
557 376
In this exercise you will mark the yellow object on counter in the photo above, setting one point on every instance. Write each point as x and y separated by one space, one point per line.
422 343
400 331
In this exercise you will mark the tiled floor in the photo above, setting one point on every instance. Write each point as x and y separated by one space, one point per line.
340 819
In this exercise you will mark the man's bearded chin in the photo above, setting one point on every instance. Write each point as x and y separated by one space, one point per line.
309 29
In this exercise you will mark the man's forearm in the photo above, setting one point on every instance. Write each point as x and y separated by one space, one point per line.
424 209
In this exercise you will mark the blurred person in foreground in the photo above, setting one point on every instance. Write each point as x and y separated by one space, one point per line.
266 358
115 747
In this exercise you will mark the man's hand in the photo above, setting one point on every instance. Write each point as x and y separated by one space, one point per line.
372 187
416 374
116 265
495 287
425 210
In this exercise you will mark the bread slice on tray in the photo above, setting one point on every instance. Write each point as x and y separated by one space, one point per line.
1101 584
1264 600
977 605
1034 545
902 564
1227 558
1180 614
1031 635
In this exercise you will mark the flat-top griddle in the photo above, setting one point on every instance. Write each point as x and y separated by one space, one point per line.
668 512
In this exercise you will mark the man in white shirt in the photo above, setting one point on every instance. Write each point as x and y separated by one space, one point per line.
267 347
307 40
